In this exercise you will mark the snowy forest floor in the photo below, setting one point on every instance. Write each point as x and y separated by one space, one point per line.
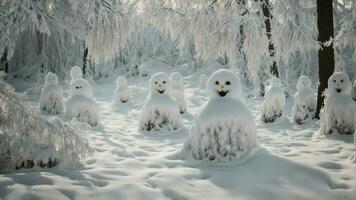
293 162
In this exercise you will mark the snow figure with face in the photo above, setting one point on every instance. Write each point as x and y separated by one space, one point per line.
338 113
273 104
304 101
160 110
51 95
80 106
202 81
176 90
86 88
76 73
121 93
223 129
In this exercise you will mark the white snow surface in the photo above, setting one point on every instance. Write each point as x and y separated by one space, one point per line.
291 162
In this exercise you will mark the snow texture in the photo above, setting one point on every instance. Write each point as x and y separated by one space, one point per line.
176 90
202 81
51 101
339 111
224 129
80 106
85 87
273 104
121 93
30 139
160 110
304 101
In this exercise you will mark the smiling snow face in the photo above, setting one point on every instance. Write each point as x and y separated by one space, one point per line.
51 79
339 83
304 82
224 83
159 82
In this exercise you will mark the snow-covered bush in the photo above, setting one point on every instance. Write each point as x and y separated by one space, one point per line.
273 104
51 95
80 105
338 113
29 139
176 90
223 129
304 101
160 110
121 93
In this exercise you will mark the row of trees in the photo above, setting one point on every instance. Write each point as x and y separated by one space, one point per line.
261 38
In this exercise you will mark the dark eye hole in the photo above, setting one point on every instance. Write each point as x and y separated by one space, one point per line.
334 81
342 80
164 82
216 82
156 82
227 82
303 106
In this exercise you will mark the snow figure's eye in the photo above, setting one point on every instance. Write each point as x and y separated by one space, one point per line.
216 82
227 82
303 106
164 82
156 82
342 80
334 81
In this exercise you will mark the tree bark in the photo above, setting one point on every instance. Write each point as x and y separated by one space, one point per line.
4 64
326 53
85 61
267 15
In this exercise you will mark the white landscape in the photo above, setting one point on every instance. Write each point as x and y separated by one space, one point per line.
178 99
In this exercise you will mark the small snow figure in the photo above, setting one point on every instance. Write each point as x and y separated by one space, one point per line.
304 101
121 93
338 113
223 129
51 95
80 106
273 104
177 90
202 81
76 73
160 110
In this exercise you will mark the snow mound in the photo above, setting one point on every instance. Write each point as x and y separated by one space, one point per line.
51 101
29 139
273 104
160 110
176 90
338 113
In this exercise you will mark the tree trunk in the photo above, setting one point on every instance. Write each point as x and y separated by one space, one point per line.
326 53
85 61
4 64
267 15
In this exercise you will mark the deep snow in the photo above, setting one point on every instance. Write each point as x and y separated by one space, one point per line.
292 162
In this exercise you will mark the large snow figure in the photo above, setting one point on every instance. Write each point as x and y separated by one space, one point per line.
223 129
51 95
202 81
121 93
273 104
338 113
176 90
304 101
160 110
80 106
76 73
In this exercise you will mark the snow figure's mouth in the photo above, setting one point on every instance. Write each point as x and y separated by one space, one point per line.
338 90
161 91
223 93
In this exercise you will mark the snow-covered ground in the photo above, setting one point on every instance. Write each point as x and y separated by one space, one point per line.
292 162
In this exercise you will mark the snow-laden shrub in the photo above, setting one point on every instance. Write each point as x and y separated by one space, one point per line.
27 138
